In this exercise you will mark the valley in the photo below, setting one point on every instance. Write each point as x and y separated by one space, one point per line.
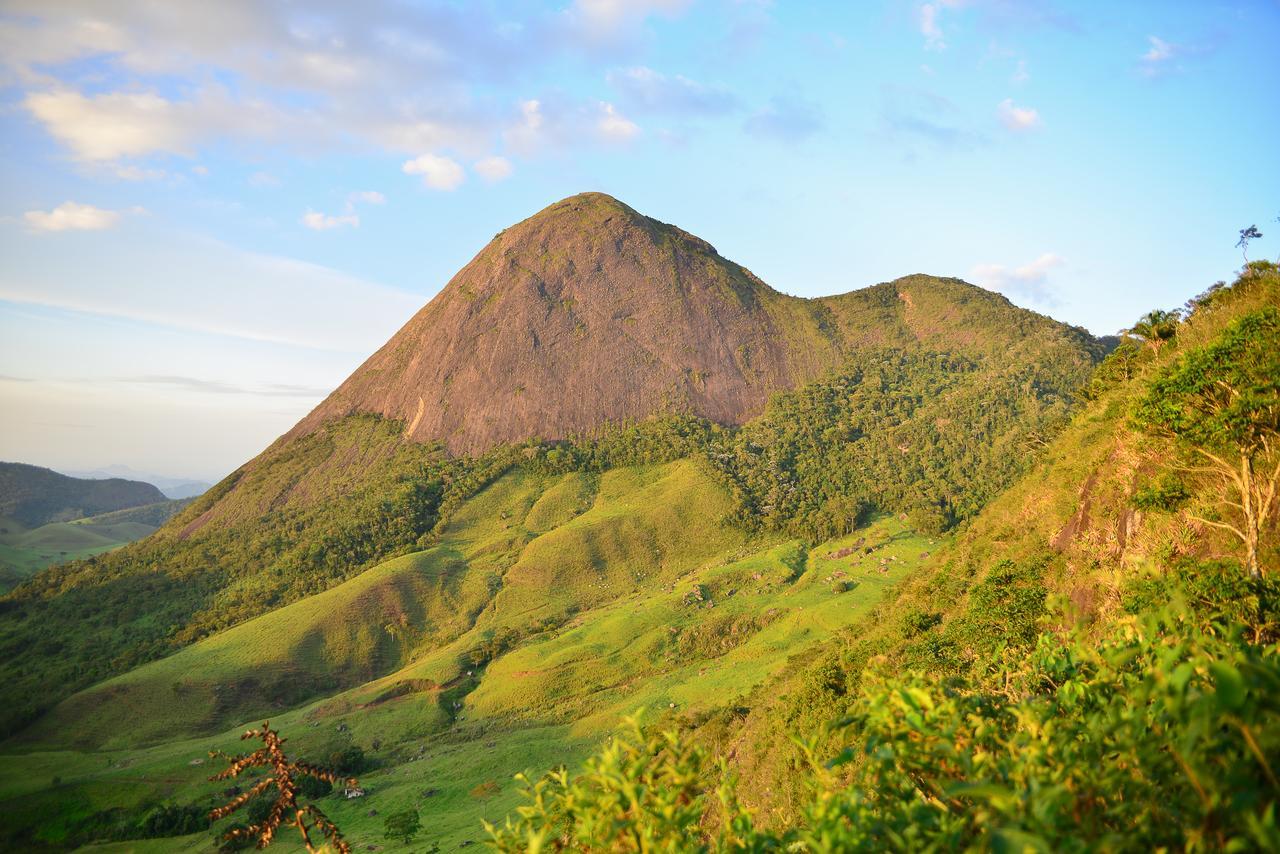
459 688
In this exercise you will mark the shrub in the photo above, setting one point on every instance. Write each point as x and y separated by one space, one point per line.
1159 736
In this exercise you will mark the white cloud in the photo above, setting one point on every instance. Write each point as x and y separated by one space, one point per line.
1029 281
526 132
324 222
131 172
1163 57
929 19
612 125
493 169
557 124
107 127
1020 74
72 216
438 172
398 77
1017 118
1160 50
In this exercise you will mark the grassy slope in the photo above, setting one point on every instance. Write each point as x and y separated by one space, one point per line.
575 561
23 551
1069 522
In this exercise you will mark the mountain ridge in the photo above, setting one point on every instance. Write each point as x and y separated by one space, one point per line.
616 317
35 496
912 396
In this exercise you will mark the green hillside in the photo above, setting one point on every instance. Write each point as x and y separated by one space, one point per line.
1085 665
460 689
34 496
23 551
899 427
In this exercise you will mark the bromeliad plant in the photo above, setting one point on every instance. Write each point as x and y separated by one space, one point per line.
284 775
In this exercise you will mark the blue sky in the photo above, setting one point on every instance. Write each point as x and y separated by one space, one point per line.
211 213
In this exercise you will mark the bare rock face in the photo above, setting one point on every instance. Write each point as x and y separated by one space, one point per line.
589 313
586 313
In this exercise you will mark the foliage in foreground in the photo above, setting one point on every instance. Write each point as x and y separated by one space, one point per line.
286 777
1164 735
1220 407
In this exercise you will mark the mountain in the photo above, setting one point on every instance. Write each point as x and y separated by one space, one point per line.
590 313
587 338
461 597
35 496
173 487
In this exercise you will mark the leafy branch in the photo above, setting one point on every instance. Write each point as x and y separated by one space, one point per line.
283 775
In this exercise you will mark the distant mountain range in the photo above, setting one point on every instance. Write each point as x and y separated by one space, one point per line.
172 487
48 518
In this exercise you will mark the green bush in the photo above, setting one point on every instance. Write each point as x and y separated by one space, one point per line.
1160 735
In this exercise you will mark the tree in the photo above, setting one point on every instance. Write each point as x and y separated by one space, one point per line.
1247 234
402 825
1156 327
1220 406
284 776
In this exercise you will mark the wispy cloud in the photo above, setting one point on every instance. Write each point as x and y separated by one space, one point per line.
613 126
317 221
1165 57
910 115
1017 118
991 15
231 292
264 181
402 78
324 222
1029 281
73 216
608 19
493 169
929 20
645 90
202 385
787 118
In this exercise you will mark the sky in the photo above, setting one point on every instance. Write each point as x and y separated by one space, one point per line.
211 213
